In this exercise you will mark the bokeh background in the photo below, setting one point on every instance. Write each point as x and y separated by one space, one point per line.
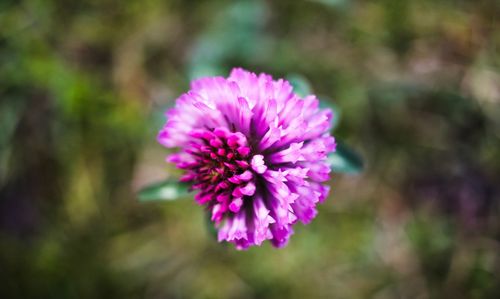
83 88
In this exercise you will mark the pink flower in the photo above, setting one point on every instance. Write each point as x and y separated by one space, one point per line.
255 151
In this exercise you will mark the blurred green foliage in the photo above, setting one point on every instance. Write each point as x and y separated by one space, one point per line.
83 88
166 190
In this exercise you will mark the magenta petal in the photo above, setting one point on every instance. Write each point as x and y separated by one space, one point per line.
236 204
238 229
292 154
261 221
258 164
246 176
249 189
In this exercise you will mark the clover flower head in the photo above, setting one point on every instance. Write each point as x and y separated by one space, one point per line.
254 151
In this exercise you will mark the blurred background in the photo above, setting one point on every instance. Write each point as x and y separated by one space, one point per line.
83 88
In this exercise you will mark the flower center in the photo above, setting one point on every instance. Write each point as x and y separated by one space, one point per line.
220 170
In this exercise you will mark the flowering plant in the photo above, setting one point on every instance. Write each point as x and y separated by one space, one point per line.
255 152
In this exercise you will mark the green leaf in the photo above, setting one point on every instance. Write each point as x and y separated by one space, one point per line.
167 190
300 84
345 160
